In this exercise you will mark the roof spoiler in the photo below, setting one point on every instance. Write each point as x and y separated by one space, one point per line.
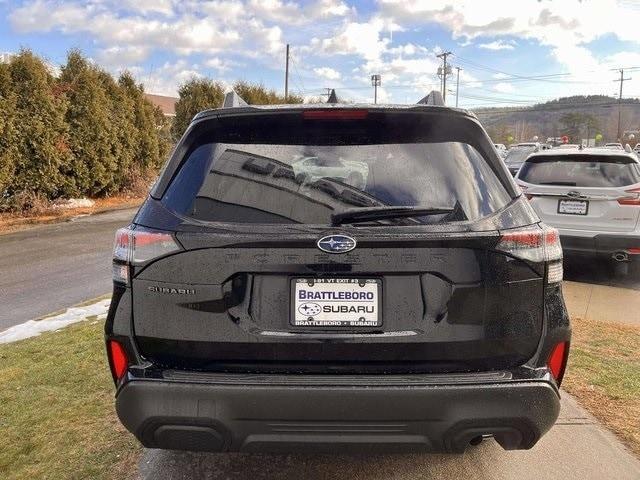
233 100
434 98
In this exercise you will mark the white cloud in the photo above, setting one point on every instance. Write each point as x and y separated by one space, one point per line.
327 73
121 56
365 39
503 87
164 7
497 45
220 65
166 79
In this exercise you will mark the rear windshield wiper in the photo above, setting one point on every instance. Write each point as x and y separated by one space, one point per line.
364 214
561 184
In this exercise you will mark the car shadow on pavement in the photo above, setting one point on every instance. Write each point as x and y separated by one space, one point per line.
174 465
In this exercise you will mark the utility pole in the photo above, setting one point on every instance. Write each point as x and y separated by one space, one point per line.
376 81
444 70
621 80
457 84
286 76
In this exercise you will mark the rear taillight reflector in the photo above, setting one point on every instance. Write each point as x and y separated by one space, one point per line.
117 359
632 199
534 244
138 245
633 251
331 114
555 272
558 361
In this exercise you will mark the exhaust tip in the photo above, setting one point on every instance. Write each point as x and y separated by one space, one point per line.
620 256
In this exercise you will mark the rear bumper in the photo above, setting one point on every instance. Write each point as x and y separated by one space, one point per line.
602 245
284 413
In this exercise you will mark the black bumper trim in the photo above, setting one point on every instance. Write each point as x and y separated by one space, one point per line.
600 245
337 381
385 418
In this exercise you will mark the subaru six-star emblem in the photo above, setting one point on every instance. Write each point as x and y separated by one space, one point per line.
336 244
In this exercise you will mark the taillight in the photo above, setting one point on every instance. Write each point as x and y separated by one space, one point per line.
117 359
138 245
633 251
632 199
557 361
335 114
535 245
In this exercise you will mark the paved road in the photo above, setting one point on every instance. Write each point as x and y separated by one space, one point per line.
576 448
51 267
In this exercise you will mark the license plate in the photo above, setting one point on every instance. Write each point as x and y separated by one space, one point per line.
573 207
336 302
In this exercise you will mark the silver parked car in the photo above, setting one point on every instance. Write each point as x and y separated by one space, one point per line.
592 197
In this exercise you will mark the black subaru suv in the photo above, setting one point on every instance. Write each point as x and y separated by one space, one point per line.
335 278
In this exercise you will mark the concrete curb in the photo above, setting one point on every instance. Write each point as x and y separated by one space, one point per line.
602 303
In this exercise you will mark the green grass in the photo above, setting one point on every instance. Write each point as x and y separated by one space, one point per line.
57 418
604 375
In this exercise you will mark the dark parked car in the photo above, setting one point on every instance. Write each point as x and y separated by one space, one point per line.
259 310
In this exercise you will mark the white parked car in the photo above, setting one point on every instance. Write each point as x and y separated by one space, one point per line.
592 197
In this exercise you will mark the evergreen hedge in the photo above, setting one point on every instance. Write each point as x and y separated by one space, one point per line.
84 133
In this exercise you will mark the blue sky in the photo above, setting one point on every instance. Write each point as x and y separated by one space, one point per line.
572 46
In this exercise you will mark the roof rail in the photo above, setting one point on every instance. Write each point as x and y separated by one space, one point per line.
333 98
433 98
232 100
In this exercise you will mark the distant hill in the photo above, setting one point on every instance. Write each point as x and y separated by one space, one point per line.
591 114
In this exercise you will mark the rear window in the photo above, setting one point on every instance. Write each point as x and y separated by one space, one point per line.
581 170
306 183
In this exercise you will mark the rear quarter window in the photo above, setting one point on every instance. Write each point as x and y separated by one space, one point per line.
581 170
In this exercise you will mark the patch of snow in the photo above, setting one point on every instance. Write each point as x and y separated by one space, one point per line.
74 203
33 328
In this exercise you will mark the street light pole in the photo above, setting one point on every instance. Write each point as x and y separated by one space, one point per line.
286 76
376 81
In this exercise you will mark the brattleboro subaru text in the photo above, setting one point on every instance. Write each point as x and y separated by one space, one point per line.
336 278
